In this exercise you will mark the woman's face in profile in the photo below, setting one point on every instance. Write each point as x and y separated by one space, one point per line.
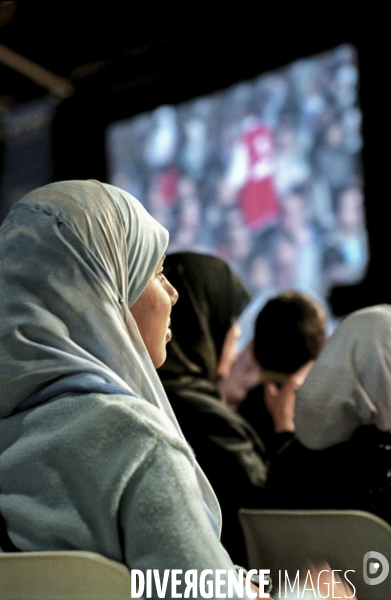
152 314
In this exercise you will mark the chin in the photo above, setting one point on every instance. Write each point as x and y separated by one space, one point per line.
159 360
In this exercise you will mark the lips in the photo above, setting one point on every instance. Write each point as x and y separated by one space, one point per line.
169 333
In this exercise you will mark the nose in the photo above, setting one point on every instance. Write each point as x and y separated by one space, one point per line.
173 294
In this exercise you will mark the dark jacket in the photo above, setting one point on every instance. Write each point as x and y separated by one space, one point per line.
229 452
353 475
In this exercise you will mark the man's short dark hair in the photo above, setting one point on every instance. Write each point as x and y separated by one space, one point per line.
289 331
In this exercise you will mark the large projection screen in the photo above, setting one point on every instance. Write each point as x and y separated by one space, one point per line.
265 174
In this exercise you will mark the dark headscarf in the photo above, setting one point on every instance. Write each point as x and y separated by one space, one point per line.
211 297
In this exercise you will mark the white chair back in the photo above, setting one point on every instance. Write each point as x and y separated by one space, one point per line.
72 575
285 540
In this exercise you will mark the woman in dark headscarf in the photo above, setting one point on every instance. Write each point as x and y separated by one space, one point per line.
202 350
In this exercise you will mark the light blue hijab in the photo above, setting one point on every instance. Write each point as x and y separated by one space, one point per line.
74 256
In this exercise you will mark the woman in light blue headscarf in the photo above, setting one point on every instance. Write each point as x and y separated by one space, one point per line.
92 456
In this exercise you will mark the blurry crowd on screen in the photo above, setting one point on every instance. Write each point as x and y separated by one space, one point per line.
265 175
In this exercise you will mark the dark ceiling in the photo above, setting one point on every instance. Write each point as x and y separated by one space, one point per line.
137 56
83 44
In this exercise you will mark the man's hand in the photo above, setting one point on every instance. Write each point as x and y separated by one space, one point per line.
280 403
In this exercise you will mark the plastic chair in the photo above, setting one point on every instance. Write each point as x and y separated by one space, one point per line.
70 575
285 540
